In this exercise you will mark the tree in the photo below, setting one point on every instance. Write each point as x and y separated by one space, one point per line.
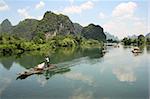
127 41
141 39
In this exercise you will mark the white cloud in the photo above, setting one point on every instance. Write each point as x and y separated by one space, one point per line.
125 27
40 5
3 6
124 22
101 15
78 9
71 1
39 17
124 9
24 13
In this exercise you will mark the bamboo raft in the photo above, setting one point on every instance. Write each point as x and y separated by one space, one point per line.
51 69
32 71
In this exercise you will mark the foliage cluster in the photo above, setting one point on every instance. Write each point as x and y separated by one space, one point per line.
10 44
141 40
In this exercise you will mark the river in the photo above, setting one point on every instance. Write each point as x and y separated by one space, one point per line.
89 74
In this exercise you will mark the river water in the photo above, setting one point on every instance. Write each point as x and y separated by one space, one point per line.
88 74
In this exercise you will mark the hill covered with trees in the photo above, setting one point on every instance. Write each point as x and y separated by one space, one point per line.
51 25
51 32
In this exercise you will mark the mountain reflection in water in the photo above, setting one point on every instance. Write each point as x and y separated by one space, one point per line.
86 74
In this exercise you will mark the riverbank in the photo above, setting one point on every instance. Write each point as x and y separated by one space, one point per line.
11 45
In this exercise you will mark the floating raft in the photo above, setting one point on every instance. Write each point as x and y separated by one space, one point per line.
53 69
136 50
35 70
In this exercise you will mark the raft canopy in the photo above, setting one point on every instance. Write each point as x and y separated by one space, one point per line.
136 48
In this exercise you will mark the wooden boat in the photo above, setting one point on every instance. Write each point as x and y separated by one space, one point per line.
35 70
136 50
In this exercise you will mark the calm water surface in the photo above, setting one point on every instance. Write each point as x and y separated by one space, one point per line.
87 75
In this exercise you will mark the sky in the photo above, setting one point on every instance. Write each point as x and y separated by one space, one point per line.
118 17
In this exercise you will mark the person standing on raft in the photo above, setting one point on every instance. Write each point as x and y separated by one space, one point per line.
47 62
43 65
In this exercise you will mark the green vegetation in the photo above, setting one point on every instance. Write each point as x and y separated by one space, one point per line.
112 41
25 28
148 41
94 32
10 44
91 43
51 25
53 31
140 40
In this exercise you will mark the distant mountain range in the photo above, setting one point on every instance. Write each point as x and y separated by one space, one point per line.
110 36
133 36
52 25
147 35
6 26
136 36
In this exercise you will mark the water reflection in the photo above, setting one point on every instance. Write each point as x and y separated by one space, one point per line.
64 54
26 61
148 49
78 74
124 75
127 47
80 94
7 62
80 77
126 70
61 70
4 83
61 55
41 80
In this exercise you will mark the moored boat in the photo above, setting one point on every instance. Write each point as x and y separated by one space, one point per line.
136 50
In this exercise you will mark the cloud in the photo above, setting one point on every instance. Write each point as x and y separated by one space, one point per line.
71 1
125 27
3 6
124 22
78 9
101 15
25 14
124 9
40 5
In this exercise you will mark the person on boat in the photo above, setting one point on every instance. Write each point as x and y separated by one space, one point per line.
47 62
44 64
